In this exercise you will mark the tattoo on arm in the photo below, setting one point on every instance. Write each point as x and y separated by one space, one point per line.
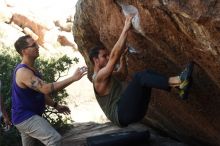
36 84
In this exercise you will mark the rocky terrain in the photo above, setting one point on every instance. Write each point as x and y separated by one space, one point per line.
166 35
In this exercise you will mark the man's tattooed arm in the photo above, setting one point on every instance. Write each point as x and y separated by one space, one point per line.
37 84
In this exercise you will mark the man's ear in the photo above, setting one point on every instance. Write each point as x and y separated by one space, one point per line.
23 52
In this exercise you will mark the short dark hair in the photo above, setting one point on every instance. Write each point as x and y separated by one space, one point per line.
94 52
21 43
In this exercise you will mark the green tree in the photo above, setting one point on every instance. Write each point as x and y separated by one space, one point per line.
51 69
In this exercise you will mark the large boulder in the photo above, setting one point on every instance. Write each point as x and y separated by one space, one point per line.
171 34
25 19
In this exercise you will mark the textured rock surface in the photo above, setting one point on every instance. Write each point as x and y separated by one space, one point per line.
174 32
37 21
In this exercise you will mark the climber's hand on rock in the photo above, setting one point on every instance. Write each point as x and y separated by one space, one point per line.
127 25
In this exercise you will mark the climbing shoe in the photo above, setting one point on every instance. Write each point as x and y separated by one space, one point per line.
186 81
184 89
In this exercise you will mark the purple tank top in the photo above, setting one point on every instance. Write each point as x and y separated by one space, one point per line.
26 102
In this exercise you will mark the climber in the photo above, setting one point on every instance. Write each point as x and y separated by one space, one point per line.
126 105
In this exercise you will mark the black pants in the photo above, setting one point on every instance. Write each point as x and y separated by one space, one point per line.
134 100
